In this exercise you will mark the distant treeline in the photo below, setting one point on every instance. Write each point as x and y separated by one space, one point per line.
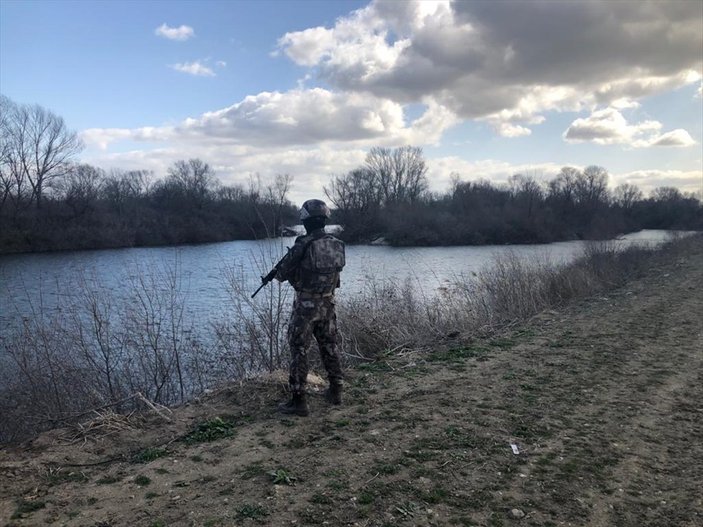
48 201
88 208
388 198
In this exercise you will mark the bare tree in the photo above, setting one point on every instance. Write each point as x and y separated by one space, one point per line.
39 147
358 190
13 181
400 173
627 195
526 192
563 188
277 196
120 188
591 187
194 178
80 188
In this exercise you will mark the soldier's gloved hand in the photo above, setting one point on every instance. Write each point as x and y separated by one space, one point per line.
270 276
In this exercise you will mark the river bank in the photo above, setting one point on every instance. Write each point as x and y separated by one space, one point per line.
585 415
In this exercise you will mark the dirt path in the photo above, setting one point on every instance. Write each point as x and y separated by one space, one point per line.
602 399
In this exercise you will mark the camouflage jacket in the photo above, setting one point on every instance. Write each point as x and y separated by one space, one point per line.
293 269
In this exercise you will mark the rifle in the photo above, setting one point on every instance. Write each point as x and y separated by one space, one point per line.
272 274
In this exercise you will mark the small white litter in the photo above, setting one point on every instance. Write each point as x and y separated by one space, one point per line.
516 451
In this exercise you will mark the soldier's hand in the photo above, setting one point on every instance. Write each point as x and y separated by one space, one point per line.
270 276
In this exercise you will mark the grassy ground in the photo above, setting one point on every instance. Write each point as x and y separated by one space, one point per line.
602 400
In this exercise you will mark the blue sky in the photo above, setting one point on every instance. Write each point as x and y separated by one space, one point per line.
307 87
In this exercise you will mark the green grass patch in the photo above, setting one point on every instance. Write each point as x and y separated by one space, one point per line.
502 343
108 480
26 507
150 495
212 430
385 469
436 495
321 499
338 485
366 498
254 512
149 454
253 470
458 354
142 480
59 476
374 367
282 477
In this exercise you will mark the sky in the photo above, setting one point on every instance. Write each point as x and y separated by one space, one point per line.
307 87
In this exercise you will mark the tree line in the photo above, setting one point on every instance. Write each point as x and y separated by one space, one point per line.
388 198
49 201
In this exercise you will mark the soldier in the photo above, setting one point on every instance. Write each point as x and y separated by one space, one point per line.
312 267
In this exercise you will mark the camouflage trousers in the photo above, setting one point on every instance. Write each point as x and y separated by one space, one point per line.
312 317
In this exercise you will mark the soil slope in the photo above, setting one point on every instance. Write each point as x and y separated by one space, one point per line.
602 401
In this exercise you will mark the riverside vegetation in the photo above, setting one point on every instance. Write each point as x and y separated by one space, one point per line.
51 201
584 413
61 364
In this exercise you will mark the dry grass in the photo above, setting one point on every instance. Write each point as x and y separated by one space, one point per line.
92 355
390 317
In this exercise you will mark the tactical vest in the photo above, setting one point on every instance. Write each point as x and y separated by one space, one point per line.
320 266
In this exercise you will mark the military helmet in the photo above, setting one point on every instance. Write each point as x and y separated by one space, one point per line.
314 208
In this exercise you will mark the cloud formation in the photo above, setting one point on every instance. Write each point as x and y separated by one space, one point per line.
298 117
609 127
181 33
507 64
510 61
196 68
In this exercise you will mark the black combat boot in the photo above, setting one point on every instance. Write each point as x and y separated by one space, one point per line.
297 405
333 394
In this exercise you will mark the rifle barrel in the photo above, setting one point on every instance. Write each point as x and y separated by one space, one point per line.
259 289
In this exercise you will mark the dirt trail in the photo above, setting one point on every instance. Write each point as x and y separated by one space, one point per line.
603 400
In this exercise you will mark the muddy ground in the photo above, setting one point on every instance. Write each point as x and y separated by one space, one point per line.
603 400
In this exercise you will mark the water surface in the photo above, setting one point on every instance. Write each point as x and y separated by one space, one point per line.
48 281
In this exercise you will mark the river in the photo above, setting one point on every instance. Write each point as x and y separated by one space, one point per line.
46 282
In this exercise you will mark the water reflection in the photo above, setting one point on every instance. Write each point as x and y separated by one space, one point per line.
48 282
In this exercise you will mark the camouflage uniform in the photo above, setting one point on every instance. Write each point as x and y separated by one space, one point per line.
313 314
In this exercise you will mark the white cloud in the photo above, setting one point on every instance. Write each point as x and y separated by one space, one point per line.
648 180
194 68
221 64
489 59
511 130
174 33
678 137
300 117
609 127
103 137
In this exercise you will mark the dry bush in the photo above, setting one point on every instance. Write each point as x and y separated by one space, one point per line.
89 353
387 316
97 352
252 336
